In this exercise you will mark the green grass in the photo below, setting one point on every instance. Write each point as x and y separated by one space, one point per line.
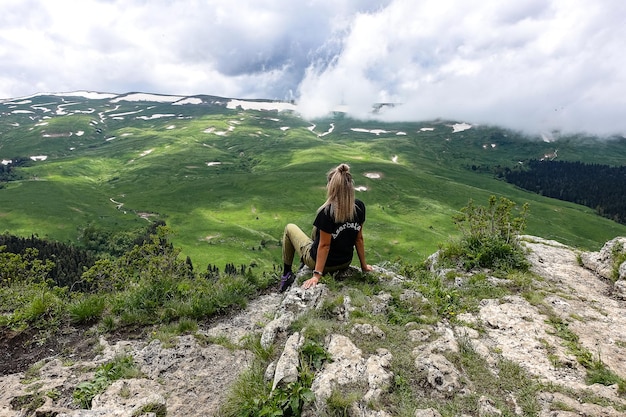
236 211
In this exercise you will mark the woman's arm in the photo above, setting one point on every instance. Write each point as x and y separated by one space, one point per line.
360 250
320 261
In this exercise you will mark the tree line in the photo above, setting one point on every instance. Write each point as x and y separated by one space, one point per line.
600 187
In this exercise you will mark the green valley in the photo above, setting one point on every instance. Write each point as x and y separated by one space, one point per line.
226 180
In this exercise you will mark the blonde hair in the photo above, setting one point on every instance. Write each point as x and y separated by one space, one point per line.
340 194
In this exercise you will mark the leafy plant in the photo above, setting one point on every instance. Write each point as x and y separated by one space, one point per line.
489 236
120 367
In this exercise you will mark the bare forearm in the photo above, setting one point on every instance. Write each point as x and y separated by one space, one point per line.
360 250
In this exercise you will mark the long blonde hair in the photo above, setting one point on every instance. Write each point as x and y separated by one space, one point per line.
339 194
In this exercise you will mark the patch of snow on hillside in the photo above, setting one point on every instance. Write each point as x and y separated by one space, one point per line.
144 153
360 188
188 100
155 116
377 132
373 175
125 113
284 128
547 137
170 127
6 161
427 129
459 127
147 97
260 105
22 112
110 139
330 130
39 158
80 133
394 159
85 94
42 124
41 108
211 164
401 134
311 128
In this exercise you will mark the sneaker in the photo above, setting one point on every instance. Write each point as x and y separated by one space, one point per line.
286 281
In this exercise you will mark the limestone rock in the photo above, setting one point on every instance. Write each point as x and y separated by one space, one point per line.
349 367
439 374
602 262
287 366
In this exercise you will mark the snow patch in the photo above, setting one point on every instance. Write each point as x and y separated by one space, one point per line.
39 158
260 105
147 97
377 132
459 127
125 113
188 100
155 116
6 161
284 128
144 153
427 129
373 175
85 94
212 164
330 130
360 188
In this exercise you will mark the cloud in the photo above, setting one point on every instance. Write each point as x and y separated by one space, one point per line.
536 65
532 66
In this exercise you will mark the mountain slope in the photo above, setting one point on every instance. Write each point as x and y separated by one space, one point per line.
227 175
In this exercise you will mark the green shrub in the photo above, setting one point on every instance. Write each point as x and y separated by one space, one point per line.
87 309
489 237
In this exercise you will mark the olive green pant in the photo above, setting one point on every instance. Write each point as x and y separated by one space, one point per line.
295 240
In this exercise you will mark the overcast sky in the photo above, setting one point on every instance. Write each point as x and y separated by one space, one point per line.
534 65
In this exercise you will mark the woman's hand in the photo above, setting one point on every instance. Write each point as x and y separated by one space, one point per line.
311 282
367 268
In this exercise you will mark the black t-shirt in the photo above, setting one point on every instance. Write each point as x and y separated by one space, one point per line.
343 235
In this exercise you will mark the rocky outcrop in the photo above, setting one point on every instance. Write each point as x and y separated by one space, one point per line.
191 376
604 264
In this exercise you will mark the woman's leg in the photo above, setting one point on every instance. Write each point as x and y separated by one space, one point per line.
294 240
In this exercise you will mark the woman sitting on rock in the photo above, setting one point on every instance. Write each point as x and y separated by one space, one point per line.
338 229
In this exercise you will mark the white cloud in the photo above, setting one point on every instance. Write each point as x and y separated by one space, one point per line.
536 65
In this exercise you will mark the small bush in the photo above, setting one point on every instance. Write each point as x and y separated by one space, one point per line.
87 310
489 237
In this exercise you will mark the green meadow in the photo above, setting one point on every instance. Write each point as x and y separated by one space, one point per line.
227 181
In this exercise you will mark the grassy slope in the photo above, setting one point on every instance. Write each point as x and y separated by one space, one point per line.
268 177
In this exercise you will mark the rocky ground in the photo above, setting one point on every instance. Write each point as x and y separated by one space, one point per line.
191 376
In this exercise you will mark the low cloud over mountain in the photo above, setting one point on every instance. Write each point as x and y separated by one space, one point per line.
535 66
